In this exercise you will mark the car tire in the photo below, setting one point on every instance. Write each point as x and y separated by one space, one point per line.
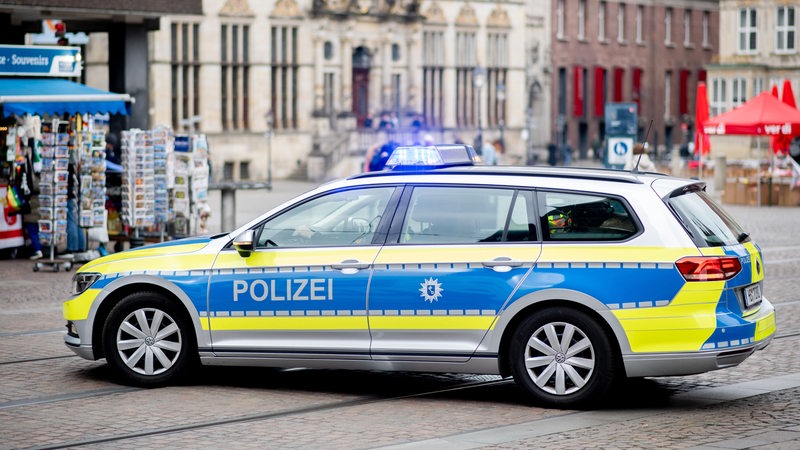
148 340
562 357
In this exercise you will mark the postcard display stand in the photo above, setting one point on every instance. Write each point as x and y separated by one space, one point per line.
53 189
190 182
92 205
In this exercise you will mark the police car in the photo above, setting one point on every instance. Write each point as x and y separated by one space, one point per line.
566 279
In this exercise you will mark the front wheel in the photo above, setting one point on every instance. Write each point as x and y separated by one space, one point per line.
148 341
562 357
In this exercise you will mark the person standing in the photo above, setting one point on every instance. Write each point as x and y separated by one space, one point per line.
567 154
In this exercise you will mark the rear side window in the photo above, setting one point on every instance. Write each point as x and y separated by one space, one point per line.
465 215
707 223
568 216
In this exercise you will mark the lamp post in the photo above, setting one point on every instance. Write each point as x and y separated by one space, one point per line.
478 79
501 113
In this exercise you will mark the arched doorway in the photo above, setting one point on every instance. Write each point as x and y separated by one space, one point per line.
362 61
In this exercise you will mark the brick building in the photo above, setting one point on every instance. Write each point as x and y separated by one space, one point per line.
650 53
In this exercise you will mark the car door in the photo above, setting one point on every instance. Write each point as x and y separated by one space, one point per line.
453 257
302 291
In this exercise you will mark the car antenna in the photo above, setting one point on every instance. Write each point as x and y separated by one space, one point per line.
636 167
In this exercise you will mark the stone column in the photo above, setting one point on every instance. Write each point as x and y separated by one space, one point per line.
347 72
414 70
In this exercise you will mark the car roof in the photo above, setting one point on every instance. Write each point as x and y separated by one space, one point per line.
576 173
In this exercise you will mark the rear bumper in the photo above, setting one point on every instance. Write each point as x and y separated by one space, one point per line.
669 364
687 363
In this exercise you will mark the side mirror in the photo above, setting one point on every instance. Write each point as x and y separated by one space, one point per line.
244 243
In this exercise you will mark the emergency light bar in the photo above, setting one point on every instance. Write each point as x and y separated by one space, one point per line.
429 157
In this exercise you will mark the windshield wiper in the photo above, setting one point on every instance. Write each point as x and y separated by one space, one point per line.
743 237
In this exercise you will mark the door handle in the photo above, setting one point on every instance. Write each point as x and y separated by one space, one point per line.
350 266
502 264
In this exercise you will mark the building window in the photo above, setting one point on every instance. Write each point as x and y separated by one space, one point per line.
621 22
601 22
244 170
719 96
636 87
739 91
687 28
785 29
668 94
581 20
284 65
395 52
639 24
397 91
497 69
683 92
758 85
329 92
327 50
748 31
185 62
235 73
578 91
668 26
599 91
466 93
619 75
560 19
433 77
706 16
227 171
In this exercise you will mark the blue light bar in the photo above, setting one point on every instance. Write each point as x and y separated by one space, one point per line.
429 157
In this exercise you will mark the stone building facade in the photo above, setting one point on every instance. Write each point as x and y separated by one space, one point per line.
758 50
280 84
651 53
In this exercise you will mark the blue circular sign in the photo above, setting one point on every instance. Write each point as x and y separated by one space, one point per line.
620 148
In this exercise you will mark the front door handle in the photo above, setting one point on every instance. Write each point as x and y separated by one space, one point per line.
350 266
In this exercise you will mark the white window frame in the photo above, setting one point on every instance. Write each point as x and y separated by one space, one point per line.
582 20
639 23
667 94
747 31
601 21
668 26
758 85
687 27
718 103
738 91
621 22
786 33
560 19
706 18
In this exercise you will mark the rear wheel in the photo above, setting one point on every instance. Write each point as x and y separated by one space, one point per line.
562 357
148 340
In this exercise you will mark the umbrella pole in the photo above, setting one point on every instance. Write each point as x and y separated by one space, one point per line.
758 173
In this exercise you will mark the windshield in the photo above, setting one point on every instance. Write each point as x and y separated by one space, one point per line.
707 223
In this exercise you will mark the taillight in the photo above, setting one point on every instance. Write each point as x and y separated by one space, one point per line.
709 268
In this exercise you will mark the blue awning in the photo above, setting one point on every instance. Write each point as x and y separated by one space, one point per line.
57 96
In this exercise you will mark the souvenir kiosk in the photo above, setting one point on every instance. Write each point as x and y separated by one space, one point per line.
32 85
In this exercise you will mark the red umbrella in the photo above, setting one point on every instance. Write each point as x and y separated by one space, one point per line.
763 115
702 145
775 91
780 144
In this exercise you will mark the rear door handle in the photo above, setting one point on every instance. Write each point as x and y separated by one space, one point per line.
502 264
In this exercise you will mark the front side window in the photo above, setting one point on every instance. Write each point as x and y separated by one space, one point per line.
566 216
341 218
461 215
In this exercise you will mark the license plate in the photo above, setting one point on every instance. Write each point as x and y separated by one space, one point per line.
752 295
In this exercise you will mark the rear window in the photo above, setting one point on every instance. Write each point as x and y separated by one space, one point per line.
707 223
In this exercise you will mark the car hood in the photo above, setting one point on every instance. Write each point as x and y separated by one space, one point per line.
176 247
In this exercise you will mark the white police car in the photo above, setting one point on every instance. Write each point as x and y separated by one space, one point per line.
566 279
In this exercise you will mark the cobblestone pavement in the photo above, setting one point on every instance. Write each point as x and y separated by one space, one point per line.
50 398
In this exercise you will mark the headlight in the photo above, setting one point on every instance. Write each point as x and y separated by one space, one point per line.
82 281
